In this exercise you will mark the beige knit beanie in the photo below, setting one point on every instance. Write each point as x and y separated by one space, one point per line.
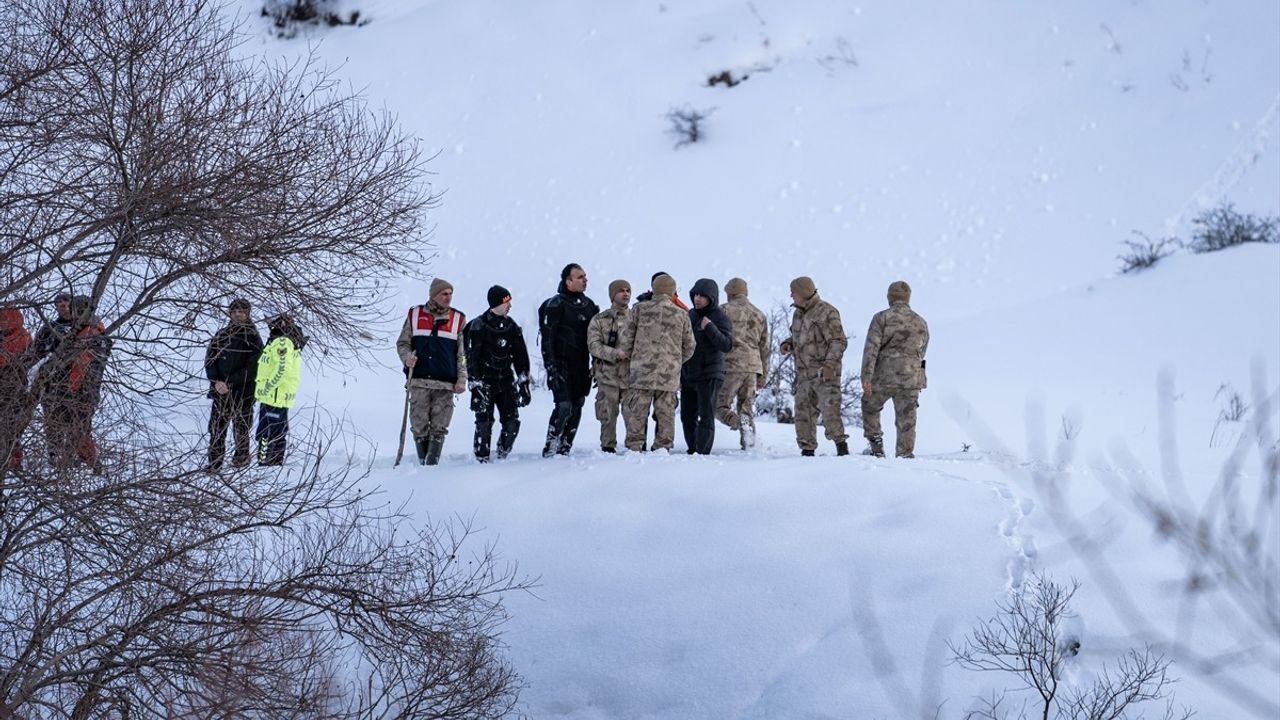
438 286
899 291
736 287
616 287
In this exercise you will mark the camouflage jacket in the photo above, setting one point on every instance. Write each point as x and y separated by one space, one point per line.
817 338
893 357
751 348
604 335
659 339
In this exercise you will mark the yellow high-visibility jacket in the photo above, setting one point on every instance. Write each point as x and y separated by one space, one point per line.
279 372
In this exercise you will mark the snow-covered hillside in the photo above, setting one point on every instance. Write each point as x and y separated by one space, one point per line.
992 154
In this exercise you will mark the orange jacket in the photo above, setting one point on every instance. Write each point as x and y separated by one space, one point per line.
14 338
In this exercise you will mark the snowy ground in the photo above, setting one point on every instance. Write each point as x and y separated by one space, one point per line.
994 156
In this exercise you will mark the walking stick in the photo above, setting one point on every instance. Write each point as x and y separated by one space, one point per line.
404 424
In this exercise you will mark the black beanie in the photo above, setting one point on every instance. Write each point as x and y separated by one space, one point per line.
498 295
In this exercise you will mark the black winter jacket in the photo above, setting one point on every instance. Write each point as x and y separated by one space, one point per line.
232 357
496 352
711 342
562 327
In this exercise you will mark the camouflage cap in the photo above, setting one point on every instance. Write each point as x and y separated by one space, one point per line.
804 287
899 291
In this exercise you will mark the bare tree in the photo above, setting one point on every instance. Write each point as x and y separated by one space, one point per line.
145 165
1030 640
154 174
161 589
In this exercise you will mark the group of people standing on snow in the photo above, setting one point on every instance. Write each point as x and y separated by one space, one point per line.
68 355
643 359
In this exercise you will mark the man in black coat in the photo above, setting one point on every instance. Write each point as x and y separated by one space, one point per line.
562 325
703 374
498 373
231 364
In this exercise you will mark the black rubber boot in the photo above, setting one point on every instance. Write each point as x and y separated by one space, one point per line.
420 444
842 448
480 446
507 438
435 446
806 453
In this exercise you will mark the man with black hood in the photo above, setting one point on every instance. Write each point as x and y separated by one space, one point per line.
231 364
498 371
703 374
562 326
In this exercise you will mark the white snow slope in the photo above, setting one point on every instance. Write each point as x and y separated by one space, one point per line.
992 154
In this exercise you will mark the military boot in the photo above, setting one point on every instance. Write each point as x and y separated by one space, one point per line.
842 448
420 444
875 447
435 446
806 453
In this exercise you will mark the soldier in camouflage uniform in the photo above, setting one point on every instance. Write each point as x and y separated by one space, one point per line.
435 365
609 362
746 365
818 343
893 369
658 339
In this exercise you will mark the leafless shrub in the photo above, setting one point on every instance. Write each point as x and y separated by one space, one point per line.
288 16
843 55
1144 252
687 124
1031 640
777 398
1224 227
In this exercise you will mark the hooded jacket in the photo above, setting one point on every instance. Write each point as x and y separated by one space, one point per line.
710 342
14 343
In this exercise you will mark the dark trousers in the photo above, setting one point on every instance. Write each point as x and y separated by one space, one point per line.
68 429
237 413
273 430
501 396
563 426
698 414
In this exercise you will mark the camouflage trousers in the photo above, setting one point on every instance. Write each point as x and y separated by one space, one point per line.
814 398
635 414
608 408
905 403
739 389
430 411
